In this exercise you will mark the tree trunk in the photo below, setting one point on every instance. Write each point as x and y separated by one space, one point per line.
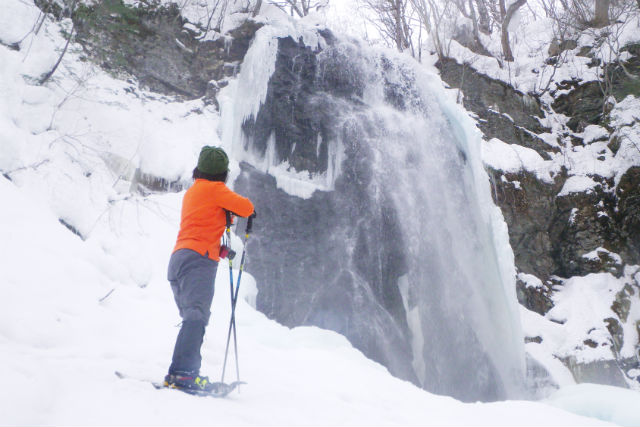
503 9
461 5
48 75
397 15
601 18
484 20
406 30
256 9
474 20
506 48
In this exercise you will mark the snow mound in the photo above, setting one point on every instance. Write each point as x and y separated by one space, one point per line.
577 184
513 158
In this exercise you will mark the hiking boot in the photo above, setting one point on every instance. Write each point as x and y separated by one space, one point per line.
189 383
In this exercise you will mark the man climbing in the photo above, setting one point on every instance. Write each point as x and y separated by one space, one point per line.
193 264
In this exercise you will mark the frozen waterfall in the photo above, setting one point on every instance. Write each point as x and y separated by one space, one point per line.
368 181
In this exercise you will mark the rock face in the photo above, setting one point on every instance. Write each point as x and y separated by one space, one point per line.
585 102
503 112
554 234
584 225
151 43
628 213
523 198
549 234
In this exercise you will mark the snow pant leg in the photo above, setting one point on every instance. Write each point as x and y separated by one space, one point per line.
192 278
186 354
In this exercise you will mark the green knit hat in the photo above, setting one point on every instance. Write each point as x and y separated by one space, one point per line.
213 160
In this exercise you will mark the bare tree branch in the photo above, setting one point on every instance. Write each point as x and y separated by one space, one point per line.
392 18
48 75
256 9
300 7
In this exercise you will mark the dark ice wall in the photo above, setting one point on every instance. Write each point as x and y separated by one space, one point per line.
332 260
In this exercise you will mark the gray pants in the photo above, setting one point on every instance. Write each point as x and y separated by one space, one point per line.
192 278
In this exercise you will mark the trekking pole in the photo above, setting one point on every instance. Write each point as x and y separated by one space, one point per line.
228 230
234 299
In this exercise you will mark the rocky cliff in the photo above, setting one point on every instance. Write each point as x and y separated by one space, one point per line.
558 233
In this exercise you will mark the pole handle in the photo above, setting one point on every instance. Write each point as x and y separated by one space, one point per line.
250 222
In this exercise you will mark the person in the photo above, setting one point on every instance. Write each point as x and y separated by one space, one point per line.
194 261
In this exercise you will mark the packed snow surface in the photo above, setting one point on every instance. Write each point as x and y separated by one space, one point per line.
75 309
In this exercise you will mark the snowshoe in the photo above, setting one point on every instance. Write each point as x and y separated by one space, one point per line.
200 385
191 384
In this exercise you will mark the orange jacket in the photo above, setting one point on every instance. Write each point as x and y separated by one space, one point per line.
203 218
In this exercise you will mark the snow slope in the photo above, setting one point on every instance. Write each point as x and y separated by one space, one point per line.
74 310
61 345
